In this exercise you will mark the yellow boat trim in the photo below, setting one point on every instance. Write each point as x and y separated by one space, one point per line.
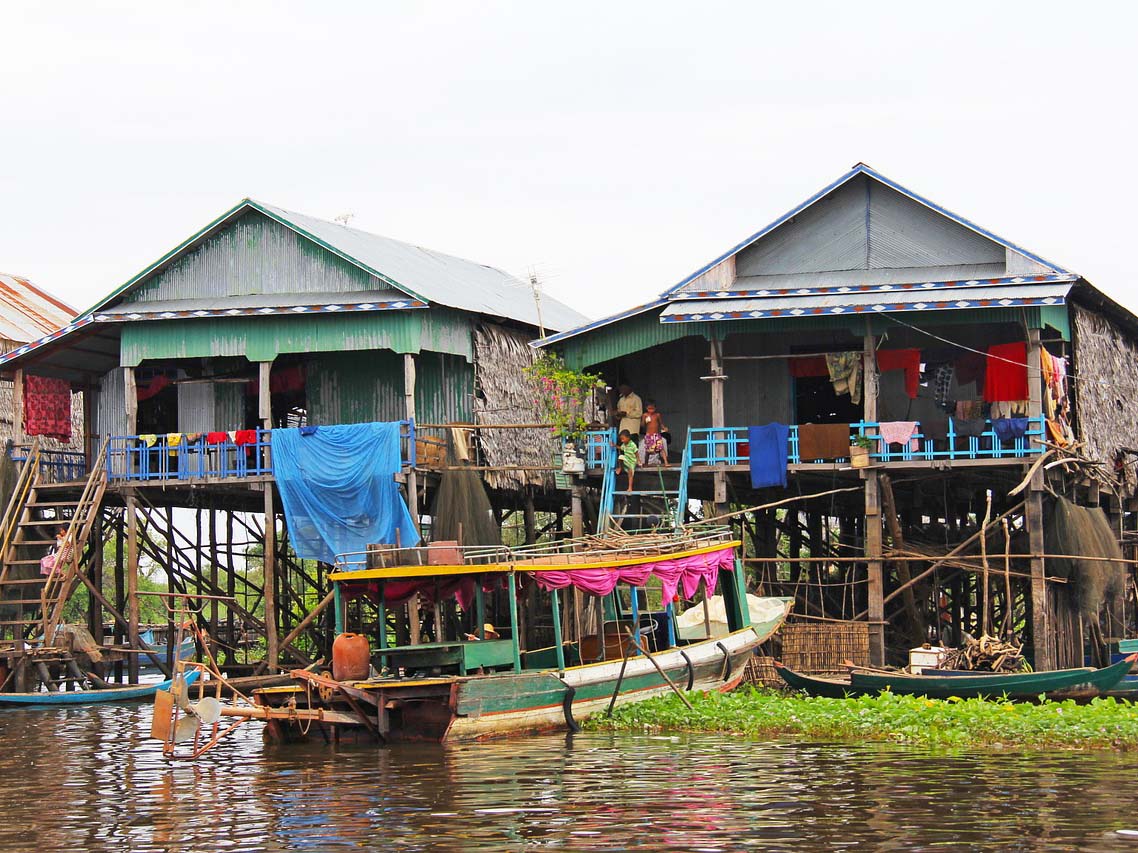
400 572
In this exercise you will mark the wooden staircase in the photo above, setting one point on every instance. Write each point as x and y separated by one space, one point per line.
31 604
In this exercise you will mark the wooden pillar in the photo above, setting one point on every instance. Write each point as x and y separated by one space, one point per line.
529 518
131 401
90 440
264 394
1042 630
577 509
869 373
718 419
874 570
409 403
94 608
132 613
270 591
18 435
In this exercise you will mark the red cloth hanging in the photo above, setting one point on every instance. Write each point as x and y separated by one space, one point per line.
157 383
1006 376
811 365
47 407
216 437
908 360
245 436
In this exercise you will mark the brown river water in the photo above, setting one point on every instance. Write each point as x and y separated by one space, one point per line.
90 779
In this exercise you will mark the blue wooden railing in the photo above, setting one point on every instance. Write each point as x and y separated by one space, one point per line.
174 457
729 445
56 466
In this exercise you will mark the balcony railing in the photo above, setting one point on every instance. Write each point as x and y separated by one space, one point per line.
56 466
730 445
148 458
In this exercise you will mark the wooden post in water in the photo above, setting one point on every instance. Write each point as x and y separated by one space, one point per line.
1044 646
409 406
132 585
873 534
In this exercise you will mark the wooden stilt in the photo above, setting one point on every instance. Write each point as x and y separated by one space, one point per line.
132 584
272 654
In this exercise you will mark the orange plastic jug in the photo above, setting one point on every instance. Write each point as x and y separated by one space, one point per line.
351 657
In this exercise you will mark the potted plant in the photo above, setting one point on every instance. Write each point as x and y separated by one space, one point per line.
859 451
565 398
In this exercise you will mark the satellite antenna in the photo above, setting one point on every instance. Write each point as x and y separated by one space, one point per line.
344 218
535 286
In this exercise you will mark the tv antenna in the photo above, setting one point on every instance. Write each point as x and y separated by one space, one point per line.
535 286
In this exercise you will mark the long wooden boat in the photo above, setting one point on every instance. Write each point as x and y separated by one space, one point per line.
1017 685
91 697
463 689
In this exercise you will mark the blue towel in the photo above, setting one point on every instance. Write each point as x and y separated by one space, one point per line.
1008 429
770 449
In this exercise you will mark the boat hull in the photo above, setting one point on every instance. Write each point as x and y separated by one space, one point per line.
484 706
92 697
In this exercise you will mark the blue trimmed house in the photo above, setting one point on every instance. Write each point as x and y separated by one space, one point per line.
969 356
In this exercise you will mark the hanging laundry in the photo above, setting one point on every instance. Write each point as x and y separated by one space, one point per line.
193 437
1006 372
770 452
1008 429
308 430
942 386
232 434
969 428
47 407
148 438
970 368
810 365
823 441
216 437
899 432
908 360
845 373
1009 409
935 428
173 439
969 410
245 436
153 386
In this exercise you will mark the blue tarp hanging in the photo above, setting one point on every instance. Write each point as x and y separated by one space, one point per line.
338 491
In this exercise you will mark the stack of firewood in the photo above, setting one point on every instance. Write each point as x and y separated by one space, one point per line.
987 654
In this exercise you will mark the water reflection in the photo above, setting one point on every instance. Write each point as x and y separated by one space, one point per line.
90 779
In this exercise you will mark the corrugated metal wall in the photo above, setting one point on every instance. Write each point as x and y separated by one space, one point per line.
256 255
349 388
264 338
109 403
196 407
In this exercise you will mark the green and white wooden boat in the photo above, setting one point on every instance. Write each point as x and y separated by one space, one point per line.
456 688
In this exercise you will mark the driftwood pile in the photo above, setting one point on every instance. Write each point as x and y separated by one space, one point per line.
987 654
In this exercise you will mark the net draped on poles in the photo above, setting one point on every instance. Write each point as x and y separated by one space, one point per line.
338 489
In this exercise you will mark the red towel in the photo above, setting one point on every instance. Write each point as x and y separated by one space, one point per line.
47 407
1006 380
216 437
908 360
245 436
810 365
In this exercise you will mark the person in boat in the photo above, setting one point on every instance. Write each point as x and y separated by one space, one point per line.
488 633
626 456
653 446
59 554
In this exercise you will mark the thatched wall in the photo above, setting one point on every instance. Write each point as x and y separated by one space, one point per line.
504 396
1106 362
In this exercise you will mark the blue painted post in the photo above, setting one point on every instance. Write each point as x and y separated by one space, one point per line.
635 620
557 628
479 608
512 595
671 625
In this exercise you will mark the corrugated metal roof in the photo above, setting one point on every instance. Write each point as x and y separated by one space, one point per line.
251 301
28 313
435 276
692 311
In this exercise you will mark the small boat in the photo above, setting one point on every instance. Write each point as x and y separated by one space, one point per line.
90 697
992 685
150 641
488 684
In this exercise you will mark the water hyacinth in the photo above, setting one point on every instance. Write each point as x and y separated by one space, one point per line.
1099 724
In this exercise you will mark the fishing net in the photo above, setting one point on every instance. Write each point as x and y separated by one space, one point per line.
1078 531
461 511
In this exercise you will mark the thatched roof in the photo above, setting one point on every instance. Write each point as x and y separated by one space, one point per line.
504 396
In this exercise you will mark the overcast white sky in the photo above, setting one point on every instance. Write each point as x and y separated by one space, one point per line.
614 147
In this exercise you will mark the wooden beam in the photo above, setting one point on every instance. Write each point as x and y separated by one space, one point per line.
409 406
718 419
132 584
18 435
875 606
270 563
131 401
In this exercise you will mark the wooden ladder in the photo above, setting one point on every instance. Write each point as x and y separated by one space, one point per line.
31 604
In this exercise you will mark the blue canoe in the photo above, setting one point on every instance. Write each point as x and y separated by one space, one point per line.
88 697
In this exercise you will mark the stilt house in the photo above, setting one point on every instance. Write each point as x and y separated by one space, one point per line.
870 317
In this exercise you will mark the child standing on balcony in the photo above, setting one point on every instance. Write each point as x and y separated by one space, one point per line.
626 456
653 446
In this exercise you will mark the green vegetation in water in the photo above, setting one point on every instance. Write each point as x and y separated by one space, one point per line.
1100 724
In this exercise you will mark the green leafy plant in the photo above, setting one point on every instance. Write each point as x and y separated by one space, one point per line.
563 396
862 441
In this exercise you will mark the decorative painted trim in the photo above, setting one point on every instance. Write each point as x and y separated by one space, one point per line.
265 311
868 288
878 308
47 339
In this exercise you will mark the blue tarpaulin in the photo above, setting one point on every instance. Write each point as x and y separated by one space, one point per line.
338 491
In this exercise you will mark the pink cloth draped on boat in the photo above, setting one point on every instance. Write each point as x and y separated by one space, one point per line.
684 574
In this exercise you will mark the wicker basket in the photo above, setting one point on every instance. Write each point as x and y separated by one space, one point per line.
823 647
761 672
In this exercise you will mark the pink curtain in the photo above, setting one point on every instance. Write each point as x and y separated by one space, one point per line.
684 574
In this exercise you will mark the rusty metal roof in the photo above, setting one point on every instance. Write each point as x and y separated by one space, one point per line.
28 313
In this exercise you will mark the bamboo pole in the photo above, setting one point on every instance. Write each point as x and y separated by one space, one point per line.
984 614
